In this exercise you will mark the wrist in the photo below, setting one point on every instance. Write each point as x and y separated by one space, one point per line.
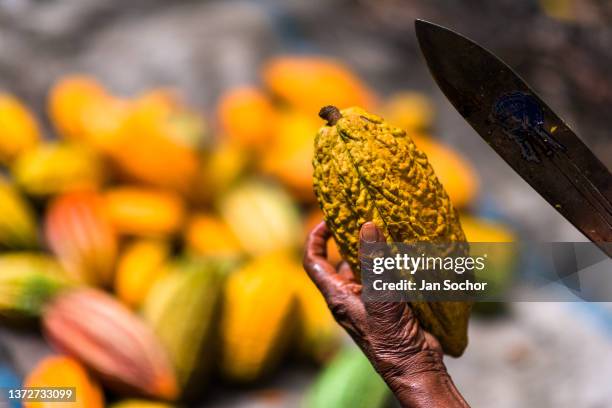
424 363
421 380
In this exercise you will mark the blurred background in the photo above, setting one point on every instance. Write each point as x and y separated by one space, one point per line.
160 152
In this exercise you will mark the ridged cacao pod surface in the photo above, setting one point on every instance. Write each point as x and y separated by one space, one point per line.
183 308
80 235
111 341
366 170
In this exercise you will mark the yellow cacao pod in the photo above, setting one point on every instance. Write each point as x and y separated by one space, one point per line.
183 309
158 126
80 235
52 168
319 336
219 171
484 230
82 110
502 260
262 216
17 223
314 218
60 371
111 341
69 99
139 266
18 128
366 170
409 110
288 158
257 318
166 114
456 174
309 82
247 117
143 211
27 281
207 234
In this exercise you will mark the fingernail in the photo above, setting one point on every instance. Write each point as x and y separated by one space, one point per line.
369 232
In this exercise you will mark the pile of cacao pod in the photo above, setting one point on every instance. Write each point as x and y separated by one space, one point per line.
155 247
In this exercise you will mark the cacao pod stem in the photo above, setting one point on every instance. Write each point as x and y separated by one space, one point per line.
331 114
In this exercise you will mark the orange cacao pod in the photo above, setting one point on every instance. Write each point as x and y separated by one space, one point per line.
60 371
81 237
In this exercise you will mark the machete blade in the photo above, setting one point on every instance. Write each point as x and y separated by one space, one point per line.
522 129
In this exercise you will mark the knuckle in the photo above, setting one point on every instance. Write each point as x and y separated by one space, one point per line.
339 308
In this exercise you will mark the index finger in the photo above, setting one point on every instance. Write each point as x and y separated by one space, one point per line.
316 243
318 268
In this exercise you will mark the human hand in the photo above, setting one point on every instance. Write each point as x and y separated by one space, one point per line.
408 358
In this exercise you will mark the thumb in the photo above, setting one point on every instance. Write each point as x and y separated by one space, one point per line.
371 240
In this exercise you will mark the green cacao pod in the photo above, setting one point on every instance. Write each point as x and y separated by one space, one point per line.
17 223
366 170
349 381
262 216
27 281
183 308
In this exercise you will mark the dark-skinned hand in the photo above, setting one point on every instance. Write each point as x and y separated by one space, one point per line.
407 357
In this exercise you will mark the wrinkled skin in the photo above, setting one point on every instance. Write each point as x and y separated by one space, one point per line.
407 357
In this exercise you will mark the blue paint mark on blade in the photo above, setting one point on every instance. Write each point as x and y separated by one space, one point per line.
520 115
